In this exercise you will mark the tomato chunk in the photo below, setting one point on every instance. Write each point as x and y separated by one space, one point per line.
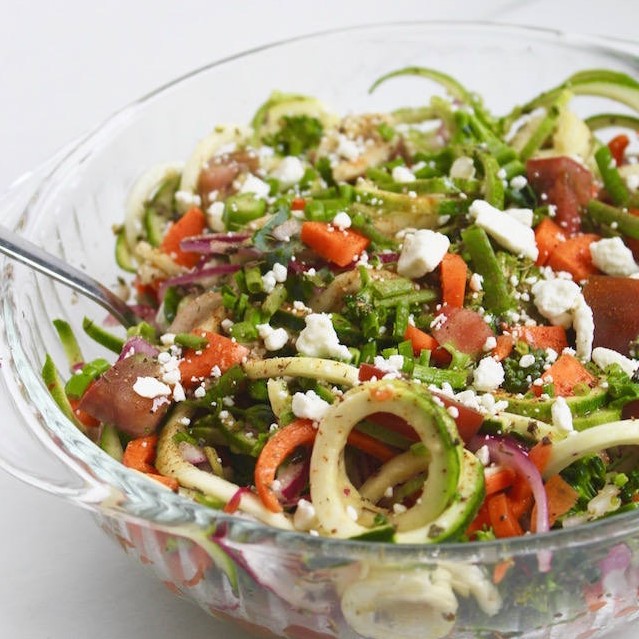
615 307
566 184
466 330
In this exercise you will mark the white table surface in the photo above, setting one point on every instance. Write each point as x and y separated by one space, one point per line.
66 65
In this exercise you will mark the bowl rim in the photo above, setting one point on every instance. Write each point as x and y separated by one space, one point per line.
618 527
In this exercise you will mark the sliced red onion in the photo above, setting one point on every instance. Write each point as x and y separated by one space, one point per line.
214 243
508 453
193 277
137 345
280 572
618 558
386 258
285 231
192 454
293 479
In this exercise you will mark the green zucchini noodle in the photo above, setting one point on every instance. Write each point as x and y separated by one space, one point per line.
338 504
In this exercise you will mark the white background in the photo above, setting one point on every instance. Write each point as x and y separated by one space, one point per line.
65 66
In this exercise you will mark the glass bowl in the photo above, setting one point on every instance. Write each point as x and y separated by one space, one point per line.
272 582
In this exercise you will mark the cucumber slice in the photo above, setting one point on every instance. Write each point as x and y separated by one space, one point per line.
338 504
580 405
527 428
454 521
123 256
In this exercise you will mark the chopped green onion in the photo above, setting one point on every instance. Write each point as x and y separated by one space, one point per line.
189 340
614 183
623 221
253 277
241 209
274 300
69 343
54 384
106 339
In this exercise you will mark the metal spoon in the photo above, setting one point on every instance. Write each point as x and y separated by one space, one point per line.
16 247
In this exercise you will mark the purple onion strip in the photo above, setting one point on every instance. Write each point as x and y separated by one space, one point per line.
137 345
198 275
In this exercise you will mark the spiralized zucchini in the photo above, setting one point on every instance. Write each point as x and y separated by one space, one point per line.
338 504
170 462
311 367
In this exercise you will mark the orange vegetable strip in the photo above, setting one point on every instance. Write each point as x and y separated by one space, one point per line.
140 454
193 222
333 244
566 373
501 570
371 446
618 146
481 521
502 519
220 351
561 497
499 480
83 417
169 482
453 276
539 455
301 432
521 506
573 256
543 336
548 235
423 341
504 347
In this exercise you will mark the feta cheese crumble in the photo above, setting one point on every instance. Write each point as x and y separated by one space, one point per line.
613 257
274 338
402 175
290 171
309 405
150 387
561 415
342 221
319 339
489 375
253 184
422 253
506 230
604 357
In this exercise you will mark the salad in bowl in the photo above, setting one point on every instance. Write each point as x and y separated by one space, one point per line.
409 332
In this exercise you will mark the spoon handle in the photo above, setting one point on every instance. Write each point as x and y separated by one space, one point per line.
22 250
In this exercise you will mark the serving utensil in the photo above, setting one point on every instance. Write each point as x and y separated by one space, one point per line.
28 253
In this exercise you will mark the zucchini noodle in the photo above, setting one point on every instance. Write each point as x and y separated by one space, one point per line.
338 504
171 462
592 440
312 367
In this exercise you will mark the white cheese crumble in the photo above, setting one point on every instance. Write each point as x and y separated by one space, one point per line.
185 200
392 366
290 171
604 357
253 184
561 415
584 325
476 282
422 253
489 344
319 339
526 361
462 168
402 175
483 454
304 517
555 300
150 387
280 272
342 221
214 215
507 231
613 257
347 148
518 182
489 375
274 338
525 216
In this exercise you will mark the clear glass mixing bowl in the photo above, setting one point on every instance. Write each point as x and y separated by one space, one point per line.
282 583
